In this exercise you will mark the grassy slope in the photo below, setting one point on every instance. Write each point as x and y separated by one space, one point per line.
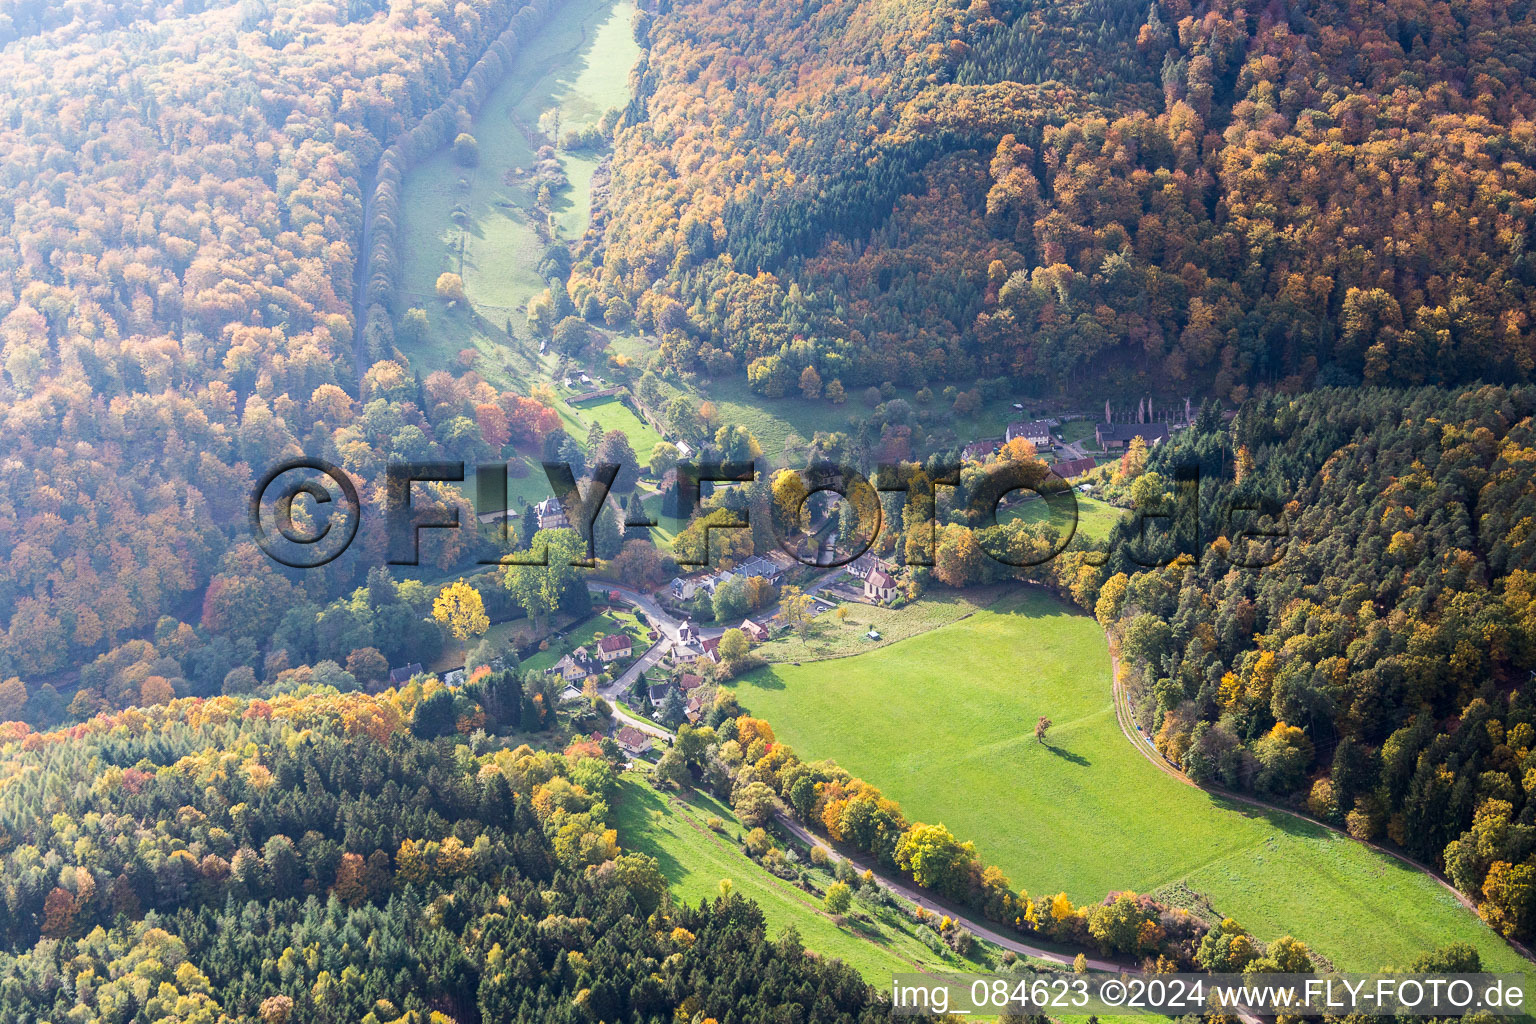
831 637
943 723
695 859
773 420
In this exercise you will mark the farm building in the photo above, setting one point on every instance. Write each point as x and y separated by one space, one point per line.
1116 436
1069 468
1036 432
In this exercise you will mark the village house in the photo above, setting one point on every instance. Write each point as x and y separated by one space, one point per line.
865 565
880 585
401 676
1117 436
978 451
657 692
687 651
861 567
632 741
613 647
695 709
551 514
756 631
576 666
689 647
1069 468
691 682
767 569
1036 432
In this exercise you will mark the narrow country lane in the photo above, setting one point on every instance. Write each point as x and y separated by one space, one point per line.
907 892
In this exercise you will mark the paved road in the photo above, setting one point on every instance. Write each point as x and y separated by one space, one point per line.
648 608
651 610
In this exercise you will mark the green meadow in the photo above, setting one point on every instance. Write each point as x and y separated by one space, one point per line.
944 723
475 221
695 858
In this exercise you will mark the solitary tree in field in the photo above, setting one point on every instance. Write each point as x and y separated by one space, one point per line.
450 287
837 898
466 150
1041 727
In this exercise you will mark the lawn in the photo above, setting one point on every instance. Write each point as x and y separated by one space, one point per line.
613 414
943 723
1095 518
579 636
695 858
1076 430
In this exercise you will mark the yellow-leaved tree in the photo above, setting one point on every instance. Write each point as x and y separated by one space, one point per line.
460 608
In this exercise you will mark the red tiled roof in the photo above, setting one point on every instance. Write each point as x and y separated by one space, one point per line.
1069 468
614 642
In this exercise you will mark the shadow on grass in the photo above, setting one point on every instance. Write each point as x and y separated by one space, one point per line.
634 807
766 678
1067 755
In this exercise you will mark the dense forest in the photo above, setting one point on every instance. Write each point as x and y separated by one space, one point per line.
180 209
316 858
1094 195
1379 670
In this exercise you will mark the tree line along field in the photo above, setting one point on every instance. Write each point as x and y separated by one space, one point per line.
942 723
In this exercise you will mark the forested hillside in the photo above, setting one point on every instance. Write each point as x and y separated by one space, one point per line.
312 859
1211 196
1380 669
181 201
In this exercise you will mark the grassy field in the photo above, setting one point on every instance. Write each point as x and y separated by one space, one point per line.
613 414
776 422
695 858
667 527
1076 430
475 221
1095 518
834 637
943 723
